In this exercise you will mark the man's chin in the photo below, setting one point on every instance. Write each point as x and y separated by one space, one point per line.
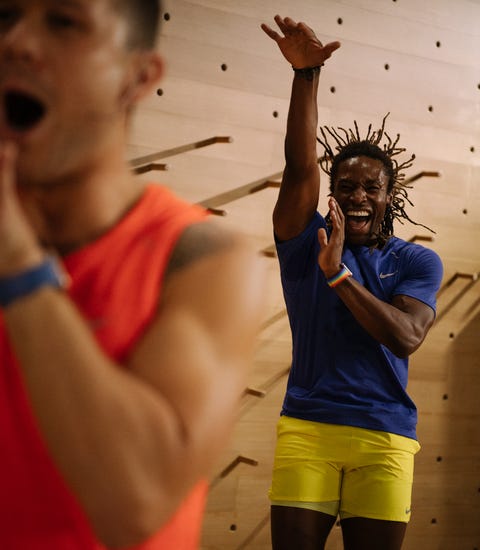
360 239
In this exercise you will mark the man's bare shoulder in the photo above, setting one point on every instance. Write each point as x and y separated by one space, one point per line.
200 241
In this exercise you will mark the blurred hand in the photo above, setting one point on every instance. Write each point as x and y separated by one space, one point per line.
19 247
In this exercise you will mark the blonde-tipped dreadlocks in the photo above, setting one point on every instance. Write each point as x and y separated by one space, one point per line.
350 144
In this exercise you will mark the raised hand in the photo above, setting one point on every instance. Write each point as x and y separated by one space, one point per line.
330 256
299 44
19 248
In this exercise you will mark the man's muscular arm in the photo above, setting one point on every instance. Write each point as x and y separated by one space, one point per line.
400 326
299 191
132 442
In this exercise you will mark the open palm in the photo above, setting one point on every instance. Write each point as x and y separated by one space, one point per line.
299 44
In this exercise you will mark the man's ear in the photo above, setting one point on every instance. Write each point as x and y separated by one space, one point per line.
147 70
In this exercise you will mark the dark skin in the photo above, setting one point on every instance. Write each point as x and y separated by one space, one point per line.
304 529
402 325
356 208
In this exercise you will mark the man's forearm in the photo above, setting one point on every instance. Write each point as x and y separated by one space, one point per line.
392 327
118 441
78 396
300 141
131 440
299 191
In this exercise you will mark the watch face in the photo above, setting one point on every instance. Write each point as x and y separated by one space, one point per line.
61 276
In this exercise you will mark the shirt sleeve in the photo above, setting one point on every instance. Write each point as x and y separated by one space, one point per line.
299 255
423 273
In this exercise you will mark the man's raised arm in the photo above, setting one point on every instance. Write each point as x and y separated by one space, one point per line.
298 197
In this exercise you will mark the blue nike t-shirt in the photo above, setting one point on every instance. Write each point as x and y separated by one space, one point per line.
340 374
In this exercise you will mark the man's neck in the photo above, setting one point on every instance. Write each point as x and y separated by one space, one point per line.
78 209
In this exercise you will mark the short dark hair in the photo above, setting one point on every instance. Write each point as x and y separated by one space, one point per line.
363 149
144 19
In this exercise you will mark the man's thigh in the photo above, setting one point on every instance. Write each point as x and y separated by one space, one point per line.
372 534
307 465
377 483
299 528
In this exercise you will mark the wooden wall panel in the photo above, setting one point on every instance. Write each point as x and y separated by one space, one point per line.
224 77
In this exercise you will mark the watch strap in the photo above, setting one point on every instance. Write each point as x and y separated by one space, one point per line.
343 274
48 273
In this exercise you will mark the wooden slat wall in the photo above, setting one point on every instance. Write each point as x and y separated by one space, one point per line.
226 78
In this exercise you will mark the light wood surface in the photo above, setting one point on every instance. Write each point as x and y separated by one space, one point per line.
432 90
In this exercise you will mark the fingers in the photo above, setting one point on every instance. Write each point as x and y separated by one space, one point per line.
286 25
271 33
306 30
337 218
322 238
336 214
289 25
330 48
330 254
8 157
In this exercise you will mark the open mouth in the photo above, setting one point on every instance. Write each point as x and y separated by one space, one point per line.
23 112
357 220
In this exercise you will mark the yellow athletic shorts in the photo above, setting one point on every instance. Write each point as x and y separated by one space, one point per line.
343 470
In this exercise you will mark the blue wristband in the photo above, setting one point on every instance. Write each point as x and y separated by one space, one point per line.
48 273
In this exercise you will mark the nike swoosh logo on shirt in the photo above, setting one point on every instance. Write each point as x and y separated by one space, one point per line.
385 275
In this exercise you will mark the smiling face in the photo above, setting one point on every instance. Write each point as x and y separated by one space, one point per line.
360 188
67 83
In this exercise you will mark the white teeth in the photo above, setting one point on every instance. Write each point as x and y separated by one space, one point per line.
358 213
